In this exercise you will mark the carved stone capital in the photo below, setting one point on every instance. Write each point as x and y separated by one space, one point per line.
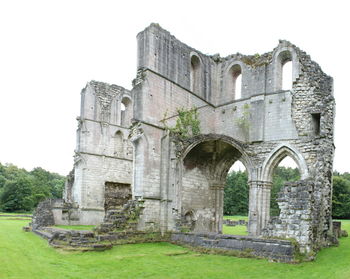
136 131
260 184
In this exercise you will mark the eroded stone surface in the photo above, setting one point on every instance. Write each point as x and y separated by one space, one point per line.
122 137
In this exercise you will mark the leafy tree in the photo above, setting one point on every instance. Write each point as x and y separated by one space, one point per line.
236 194
46 185
341 196
16 195
22 190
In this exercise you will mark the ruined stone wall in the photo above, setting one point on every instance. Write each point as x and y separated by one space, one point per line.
260 128
103 153
195 193
162 53
152 104
295 203
272 132
157 99
313 114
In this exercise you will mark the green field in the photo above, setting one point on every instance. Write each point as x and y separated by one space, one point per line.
25 255
14 213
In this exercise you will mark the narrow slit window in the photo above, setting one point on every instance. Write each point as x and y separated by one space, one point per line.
238 85
125 112
195 74
284 71
234 82
316 123
287 80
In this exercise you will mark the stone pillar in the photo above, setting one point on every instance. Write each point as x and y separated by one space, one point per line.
136 137
253 216
164 181
217 189
265 203
259 206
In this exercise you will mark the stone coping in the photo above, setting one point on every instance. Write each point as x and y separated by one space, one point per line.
237 237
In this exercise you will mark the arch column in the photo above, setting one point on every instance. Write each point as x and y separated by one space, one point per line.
259 206
217 189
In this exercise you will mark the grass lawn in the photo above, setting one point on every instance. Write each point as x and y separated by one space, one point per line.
14 213
25 255
236 230
236 217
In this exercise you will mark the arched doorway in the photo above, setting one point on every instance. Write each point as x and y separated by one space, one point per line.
276 157
203 176
236 200
285 171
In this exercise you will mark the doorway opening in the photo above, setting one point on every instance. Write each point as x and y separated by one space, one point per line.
236 200
286 171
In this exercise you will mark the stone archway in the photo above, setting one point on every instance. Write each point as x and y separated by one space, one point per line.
260 189
205 164
277 155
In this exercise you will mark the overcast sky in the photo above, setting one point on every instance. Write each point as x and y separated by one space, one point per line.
50 49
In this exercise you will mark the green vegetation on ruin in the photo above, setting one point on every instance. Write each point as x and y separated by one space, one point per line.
187 123
26 255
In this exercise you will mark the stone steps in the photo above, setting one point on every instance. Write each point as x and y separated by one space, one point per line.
72 239
44 234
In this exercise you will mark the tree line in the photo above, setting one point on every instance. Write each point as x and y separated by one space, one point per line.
236 194
22 190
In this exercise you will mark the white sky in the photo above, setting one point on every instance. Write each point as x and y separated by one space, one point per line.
50 49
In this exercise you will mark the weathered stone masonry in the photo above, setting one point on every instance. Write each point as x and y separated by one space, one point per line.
181 182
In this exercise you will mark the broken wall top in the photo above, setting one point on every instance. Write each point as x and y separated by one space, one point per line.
162 53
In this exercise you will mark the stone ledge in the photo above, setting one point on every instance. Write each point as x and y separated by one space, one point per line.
272 249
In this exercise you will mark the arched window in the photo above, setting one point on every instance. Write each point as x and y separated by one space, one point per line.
284 164
287 75
234 82
118 144
195 76
284 71
125 112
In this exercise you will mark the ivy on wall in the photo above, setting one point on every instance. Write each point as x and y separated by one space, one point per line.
187 124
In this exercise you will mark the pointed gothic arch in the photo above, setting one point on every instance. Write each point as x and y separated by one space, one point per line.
277 155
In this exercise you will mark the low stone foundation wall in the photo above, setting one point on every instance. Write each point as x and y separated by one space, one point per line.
90 240
129 237
233 223
273 249
242 246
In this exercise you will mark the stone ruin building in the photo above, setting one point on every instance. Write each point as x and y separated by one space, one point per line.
126 151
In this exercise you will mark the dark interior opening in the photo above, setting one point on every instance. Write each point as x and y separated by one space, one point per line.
316 122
